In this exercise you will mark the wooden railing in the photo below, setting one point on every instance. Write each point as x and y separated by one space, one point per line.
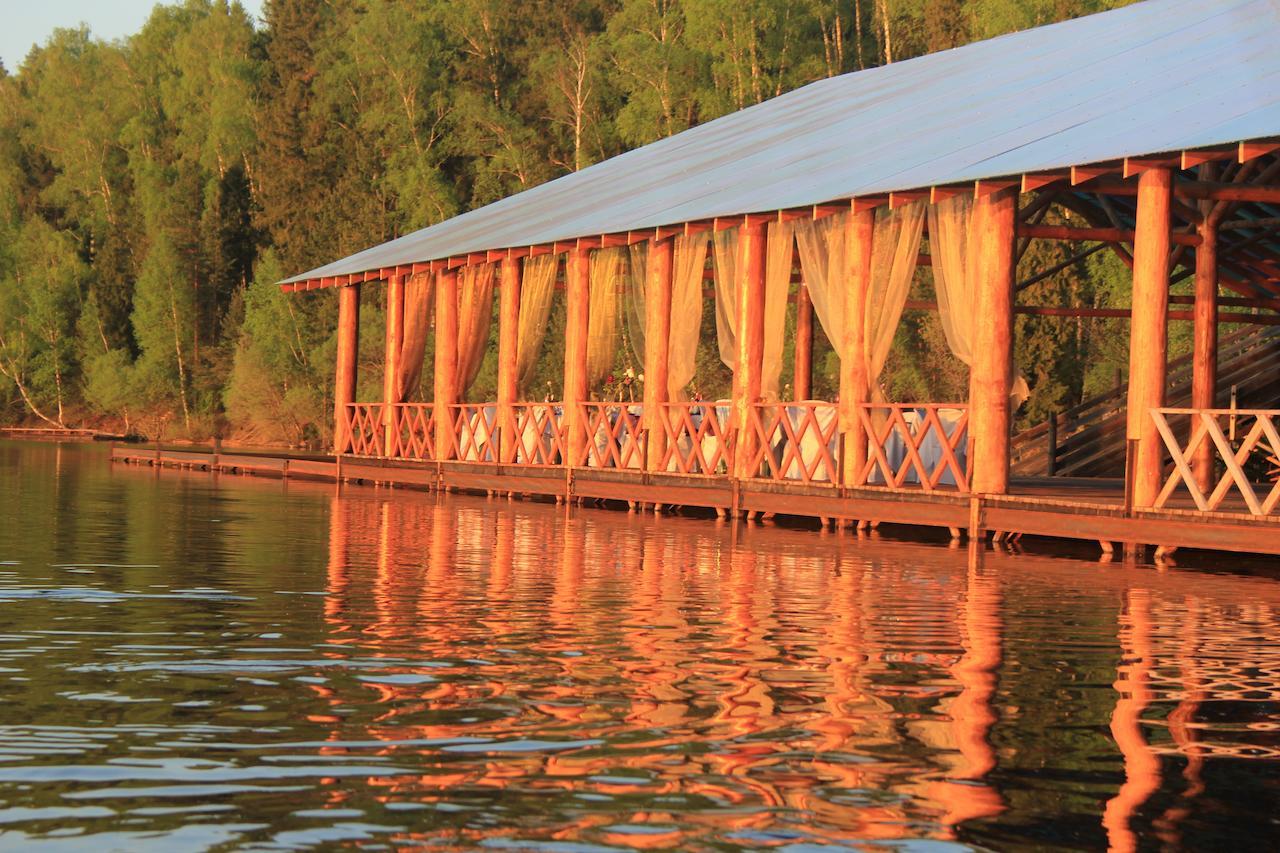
796 441
475 432
912 445
1246 450
539 435
697 438
413 433
614 438
367 429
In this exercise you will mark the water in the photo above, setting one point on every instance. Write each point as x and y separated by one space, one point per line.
191 662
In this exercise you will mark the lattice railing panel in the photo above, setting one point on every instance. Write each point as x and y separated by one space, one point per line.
1245 446
916 445
539 434
614 438
367 429
796 441
413 435
475 432
698 438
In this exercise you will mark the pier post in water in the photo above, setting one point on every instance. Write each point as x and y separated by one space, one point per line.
990 378
344 385
446 367
657 336
508 342
1149 329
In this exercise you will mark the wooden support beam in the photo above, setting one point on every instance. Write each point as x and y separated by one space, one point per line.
508 345
1253 150
803 377
855 385
991 376
1106 235
865 203
1204 354
1149 332
904 198
391 358
344 380
657 341
446 366
1040 181
577 308
1192 159
753 245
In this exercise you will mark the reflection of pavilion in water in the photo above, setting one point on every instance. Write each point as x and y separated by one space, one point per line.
717 675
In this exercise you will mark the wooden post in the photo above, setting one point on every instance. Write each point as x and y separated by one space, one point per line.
803 381
657 341
1051 459
344 384
991 373
577 308
508 342
855 385
750 357
1204 359
391 373
446 373
1149 331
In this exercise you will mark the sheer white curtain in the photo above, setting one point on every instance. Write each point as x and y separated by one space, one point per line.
475 316
537 286
419 297
894 253
633 313
952 248
689 262
605 282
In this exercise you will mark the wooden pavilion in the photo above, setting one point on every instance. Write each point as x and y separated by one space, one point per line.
1152 131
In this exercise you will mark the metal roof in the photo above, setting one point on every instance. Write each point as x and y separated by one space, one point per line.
1162 75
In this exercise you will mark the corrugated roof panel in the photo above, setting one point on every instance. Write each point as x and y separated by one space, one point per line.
1158 76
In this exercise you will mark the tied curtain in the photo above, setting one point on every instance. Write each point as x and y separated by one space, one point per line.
780 247
894 253
688 262
952 245
419 298
475 316
604 273
537 286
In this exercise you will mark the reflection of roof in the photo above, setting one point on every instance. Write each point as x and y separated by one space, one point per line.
1163 75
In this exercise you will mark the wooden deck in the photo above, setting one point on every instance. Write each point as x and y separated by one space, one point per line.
1051 507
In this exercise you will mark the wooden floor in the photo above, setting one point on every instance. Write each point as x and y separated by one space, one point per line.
1081 509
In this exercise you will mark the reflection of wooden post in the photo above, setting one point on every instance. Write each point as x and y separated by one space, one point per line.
990 376
750 355
803 382
1204 369
855 385
391 374
344 383
1148 329
657 342
508 342
446 379
1141 765
577 308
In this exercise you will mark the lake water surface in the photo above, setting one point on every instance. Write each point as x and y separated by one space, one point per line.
190 662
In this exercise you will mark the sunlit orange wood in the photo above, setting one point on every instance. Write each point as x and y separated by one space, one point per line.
657 335
344 384
855 387
989 379
1204 358
746 378
391 360
446 372
803 381
1149 330
508 342
577 306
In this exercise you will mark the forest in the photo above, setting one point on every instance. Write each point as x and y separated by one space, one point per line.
154 189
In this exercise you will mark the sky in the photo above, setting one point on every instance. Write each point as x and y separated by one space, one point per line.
27 22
